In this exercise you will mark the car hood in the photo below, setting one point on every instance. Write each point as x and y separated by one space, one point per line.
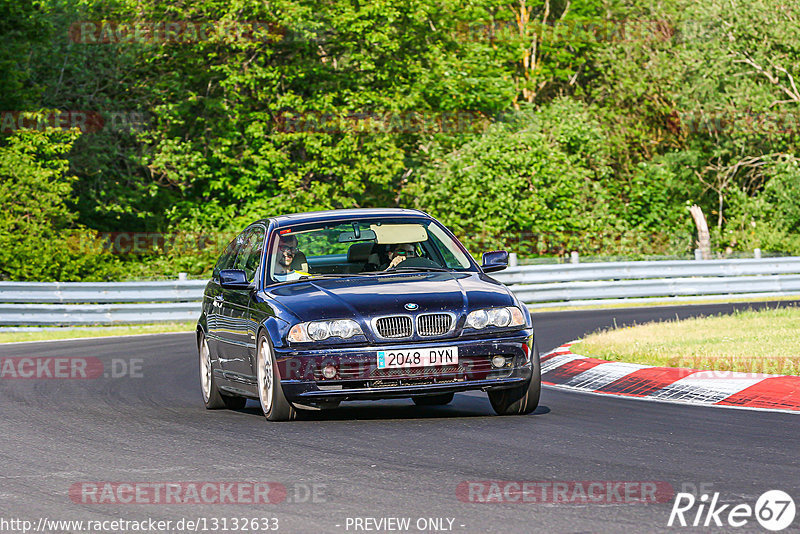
370 296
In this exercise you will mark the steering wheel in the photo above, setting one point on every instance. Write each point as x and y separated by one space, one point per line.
416 261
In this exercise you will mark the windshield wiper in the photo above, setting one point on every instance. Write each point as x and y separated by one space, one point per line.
417 269
330 275
393 270
306 278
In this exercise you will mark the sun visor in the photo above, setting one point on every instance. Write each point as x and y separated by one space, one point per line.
390 234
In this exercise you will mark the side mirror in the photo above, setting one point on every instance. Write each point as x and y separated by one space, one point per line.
497 260
234 279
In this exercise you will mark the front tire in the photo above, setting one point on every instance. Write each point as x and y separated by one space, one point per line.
433 400
212 398
520 400
270 393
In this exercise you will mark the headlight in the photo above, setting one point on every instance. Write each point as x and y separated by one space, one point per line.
500 317
319 330
344 328
477 319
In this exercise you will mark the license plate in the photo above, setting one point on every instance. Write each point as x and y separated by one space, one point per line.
403 358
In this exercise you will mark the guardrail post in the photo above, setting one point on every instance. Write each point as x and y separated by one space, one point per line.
698 254
512 259
574 258
757 253
182 277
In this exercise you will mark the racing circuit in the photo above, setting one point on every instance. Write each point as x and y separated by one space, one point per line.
368 466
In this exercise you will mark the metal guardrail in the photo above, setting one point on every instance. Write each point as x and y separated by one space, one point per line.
74 292
636 270
105 303
641 281
84 303
103 314
568 291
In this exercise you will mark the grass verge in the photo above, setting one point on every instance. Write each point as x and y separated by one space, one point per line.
762 341
35 334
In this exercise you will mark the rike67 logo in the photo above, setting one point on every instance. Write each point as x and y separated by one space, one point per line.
774 510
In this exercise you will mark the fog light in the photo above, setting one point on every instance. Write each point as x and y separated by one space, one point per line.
329 371
499 361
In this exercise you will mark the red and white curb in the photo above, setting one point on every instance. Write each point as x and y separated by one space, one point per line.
562 368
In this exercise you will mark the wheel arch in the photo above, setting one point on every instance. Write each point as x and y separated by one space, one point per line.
198 331
271 328
202 326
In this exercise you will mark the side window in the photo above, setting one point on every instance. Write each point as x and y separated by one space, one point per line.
453 257
227 258
250 254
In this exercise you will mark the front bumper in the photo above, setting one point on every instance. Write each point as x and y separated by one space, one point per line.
359 378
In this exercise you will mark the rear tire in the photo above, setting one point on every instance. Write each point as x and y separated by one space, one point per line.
433 400
520 400
270 393
212 398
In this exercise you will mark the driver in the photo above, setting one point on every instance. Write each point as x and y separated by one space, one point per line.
287 251
399 253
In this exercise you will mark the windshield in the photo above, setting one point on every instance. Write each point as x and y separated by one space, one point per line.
363 247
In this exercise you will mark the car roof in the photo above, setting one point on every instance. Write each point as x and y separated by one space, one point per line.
339 215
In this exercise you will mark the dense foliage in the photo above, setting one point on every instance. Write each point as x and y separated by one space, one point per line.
137 135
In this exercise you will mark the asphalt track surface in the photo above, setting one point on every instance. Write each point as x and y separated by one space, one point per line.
375 459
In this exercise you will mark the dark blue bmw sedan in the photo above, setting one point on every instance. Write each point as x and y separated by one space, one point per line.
308 310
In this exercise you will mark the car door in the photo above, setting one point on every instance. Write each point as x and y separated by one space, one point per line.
236 304
215 323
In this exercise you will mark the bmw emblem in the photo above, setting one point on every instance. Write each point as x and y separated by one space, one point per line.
410 306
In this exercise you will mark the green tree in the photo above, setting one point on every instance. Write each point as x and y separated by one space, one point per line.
537 182
34 188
